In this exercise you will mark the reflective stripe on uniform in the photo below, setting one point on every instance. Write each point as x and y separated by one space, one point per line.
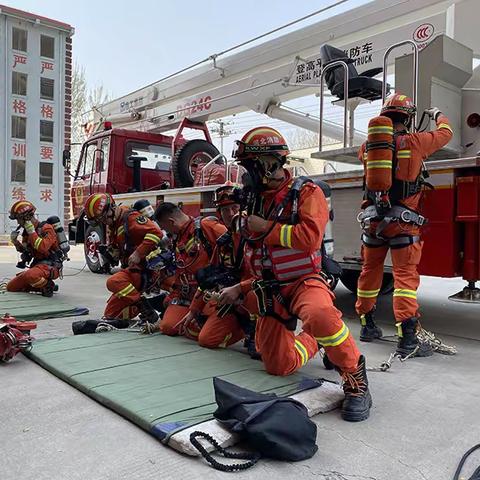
120 230
286 235
405 292
446 126
379 164
125 291
336 339
368 293
152 237
404 153
189 244
39 283
191 332
37 243
380 129
300 348
225 341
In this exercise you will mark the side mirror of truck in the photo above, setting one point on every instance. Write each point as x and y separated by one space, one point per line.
66 159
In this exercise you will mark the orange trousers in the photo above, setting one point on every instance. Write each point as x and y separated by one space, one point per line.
32 279
405 276
311 301
125 286
217 332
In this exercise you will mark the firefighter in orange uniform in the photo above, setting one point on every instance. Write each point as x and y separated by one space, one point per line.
132 237
40 244
391 219
229 323
195 240
285 227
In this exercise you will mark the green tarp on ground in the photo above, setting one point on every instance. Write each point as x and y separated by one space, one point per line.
32 306
163 384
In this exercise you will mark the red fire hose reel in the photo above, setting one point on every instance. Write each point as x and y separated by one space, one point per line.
14 337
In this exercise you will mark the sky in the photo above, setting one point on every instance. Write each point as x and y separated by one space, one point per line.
124 45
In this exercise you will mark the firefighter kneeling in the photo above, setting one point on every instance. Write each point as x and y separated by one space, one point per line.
44 247
284 230
132 237
226 269
391 217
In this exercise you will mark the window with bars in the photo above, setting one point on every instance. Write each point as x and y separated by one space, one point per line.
47 46
19 39
46 88
46 131
19 127
19 83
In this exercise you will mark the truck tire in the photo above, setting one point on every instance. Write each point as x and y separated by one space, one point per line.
94 236
187 157
350 278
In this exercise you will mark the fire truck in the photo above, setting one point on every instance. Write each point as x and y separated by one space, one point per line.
422 48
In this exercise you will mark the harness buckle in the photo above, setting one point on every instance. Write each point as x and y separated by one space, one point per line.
406 216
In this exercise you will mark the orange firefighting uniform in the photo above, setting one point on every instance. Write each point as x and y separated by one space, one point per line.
411 150
191 255
222 330
41 244
143 236
307 295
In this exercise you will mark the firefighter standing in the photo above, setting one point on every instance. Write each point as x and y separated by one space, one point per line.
132 237
195 240
283 244
40 246
392 220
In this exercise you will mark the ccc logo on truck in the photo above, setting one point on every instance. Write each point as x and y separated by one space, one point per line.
423 32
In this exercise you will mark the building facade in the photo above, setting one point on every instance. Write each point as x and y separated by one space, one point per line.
35 108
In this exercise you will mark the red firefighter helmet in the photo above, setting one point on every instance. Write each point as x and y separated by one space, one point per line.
260 141
225 195
398 104
97 205
22 208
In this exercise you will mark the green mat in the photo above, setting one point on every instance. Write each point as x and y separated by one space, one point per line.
163 384
32 306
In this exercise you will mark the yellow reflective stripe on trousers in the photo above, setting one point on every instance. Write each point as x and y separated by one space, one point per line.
368 293
152 237
286 236
125 291
302 351
379 164
37 243
405 292
336 339
189 244
446 126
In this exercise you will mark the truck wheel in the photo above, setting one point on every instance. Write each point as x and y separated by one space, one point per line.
189 157
350 278
94 236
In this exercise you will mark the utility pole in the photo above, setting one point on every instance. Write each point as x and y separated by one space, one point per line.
222 131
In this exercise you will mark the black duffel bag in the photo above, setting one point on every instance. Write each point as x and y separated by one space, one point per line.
274 427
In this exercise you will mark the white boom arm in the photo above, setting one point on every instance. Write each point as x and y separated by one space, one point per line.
287 67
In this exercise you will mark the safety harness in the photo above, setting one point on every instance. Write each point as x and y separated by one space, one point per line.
268 289
400 190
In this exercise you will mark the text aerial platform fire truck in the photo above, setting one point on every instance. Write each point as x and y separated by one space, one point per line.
423 48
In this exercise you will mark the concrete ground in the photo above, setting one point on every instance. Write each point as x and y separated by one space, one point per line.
425 416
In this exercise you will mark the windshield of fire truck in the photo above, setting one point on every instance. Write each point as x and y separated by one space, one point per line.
158 157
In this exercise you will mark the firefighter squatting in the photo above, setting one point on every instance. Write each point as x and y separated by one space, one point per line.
257 271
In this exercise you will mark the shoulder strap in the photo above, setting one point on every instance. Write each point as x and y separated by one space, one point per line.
200 236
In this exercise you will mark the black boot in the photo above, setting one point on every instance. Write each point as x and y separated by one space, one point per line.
369 330
408 343
82 327
48 289
147 313
327 363
357 403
